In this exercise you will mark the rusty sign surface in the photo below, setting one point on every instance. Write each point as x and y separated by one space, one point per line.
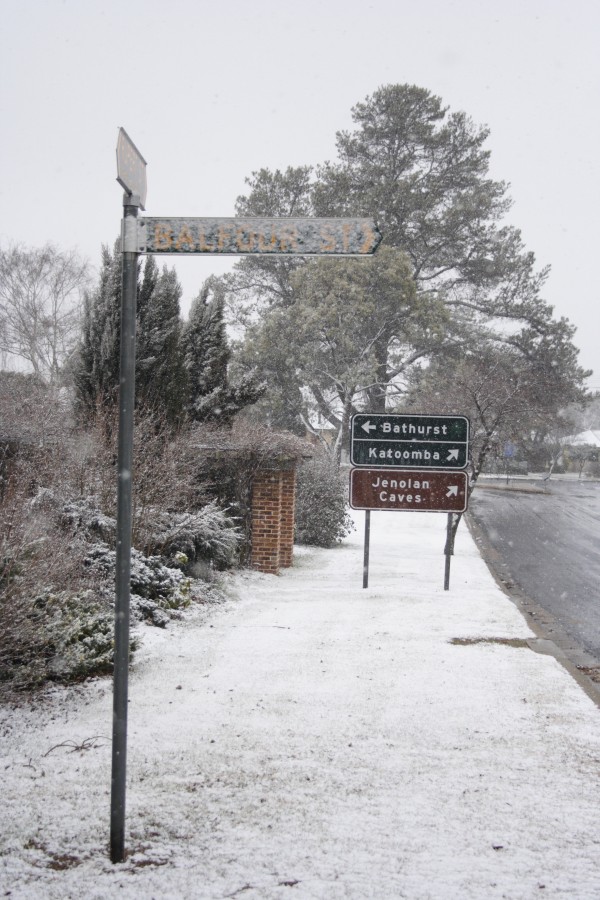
258 236
131 167
408 489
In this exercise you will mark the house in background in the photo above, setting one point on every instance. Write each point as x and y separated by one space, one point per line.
589 438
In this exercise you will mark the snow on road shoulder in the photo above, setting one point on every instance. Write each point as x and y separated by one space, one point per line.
318 740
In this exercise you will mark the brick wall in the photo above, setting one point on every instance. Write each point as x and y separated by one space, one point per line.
288 505
273 499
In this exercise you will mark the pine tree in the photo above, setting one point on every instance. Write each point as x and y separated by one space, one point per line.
211 398
146 290
160 373
96 372
107 326
422 172
83 365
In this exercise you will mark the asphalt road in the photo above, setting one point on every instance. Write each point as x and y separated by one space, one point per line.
548 545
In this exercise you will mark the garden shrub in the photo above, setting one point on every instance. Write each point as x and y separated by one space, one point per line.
322 518
57 571
61 636
191 516
156 590
207 535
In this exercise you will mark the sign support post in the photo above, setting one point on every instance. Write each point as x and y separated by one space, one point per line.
448 552
366 554
124 527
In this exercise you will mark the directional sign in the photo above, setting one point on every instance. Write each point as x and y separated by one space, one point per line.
437 442
258 236
131 167
408 490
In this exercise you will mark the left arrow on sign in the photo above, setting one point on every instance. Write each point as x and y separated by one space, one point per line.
368 427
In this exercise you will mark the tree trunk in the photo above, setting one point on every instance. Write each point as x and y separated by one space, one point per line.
378 392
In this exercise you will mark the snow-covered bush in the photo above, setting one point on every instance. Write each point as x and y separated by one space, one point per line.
84 517
54 624
79 631
62 636
322 518
156 589
208 535
57 527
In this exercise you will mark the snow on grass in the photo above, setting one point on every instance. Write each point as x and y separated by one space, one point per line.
313 739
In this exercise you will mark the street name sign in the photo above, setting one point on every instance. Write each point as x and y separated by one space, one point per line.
437 442
408 490
131 167
258 236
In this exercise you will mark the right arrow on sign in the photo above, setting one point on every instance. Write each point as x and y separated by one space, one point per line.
452 454
452 491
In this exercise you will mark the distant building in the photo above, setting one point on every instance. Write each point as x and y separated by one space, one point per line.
587 438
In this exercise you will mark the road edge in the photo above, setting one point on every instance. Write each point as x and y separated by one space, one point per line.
551 639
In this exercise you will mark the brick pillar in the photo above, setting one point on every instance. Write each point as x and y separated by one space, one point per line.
288 503
266 521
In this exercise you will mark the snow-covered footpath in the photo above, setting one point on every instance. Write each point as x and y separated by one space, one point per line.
312 739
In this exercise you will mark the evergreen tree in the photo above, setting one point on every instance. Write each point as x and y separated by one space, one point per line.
211 398
96 371
348 341
422 172
146 290
160 372
83 365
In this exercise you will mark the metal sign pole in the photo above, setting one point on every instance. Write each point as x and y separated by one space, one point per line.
367 540
312 236
124 525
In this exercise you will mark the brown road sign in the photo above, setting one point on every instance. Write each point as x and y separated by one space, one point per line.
258 236
407 489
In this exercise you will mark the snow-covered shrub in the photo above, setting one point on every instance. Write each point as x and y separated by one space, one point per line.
84 516
53 626
57 525
79 628
208 535
61 636
156 590
322 518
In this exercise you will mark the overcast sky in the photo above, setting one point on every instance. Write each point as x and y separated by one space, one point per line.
211 91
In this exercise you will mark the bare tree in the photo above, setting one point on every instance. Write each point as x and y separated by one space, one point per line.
41 290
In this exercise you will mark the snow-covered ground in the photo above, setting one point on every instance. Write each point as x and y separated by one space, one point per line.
312 739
